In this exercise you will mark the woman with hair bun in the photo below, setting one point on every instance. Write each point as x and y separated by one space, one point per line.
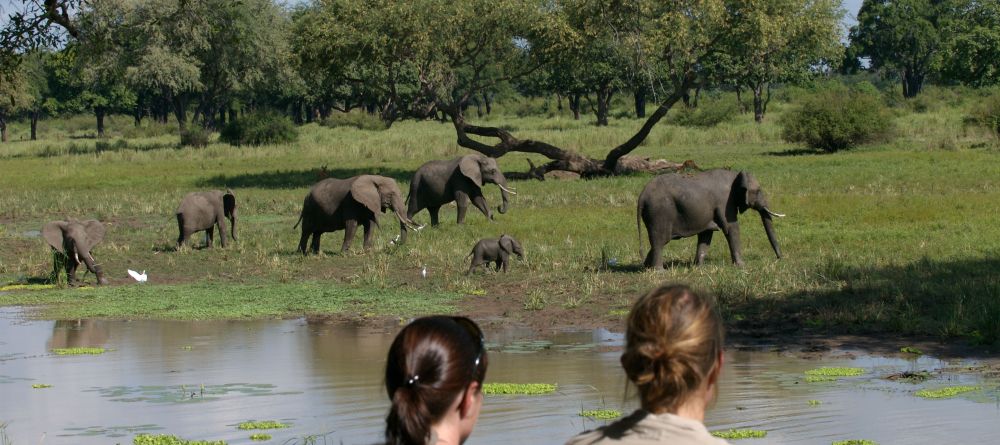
434 375
673 355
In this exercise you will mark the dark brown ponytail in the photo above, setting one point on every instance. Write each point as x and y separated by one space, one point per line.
431 362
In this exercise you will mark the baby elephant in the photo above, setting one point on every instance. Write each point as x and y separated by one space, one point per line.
494 250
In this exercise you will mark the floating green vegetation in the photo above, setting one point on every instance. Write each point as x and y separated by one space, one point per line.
740 434
601 414
41 385
944 393
836 372
167 439
820 378
530 389
261 425
10 287
260 436
910 350
855 442
187 393
814 403
78 351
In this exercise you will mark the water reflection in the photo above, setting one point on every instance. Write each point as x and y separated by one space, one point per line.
199 380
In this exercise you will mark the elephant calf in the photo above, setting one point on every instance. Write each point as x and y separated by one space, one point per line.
203 211
496 250
75 240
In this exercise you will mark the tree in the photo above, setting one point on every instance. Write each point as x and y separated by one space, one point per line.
972 56
786 40
903 36
14 97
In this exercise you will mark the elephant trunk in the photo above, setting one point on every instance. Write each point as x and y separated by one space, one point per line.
92 266
405 223
502 183
765 217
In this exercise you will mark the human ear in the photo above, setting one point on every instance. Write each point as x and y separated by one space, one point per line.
469 399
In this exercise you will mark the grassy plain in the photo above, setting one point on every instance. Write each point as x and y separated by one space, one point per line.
899 237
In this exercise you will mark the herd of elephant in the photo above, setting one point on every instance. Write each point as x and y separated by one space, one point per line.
671 206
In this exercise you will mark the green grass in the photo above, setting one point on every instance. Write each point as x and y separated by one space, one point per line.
531 389
78 351
261 425
601 414
946 392
260 436
873 243
855 442
167 439
734 434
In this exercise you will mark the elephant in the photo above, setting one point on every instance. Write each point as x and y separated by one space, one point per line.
675 206
75 240
203 211
497 250
334 204
437 183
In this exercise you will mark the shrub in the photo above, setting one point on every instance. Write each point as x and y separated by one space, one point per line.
987 115
361 121
837 119
259 129
709 113
194 137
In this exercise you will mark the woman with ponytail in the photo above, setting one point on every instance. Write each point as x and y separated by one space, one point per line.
434 375
673 355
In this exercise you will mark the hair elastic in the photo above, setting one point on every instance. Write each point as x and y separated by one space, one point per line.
413 380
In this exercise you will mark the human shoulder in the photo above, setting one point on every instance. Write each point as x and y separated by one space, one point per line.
642 428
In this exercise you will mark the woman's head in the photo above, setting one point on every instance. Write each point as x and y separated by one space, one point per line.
434 363
673 347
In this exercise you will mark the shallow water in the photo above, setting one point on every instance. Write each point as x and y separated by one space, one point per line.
198 380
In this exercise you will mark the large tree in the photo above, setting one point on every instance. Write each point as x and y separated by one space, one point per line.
14 96
972 54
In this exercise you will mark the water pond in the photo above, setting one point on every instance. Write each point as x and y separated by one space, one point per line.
200 380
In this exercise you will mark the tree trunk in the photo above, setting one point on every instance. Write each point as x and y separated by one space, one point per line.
574 104
640 102
180 112
488 100
3 128
913 82
559 102
758 103
604 94
34 124
222 116
99 112
232 115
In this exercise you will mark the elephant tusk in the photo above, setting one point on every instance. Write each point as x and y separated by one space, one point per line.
506 189
769 212
76 256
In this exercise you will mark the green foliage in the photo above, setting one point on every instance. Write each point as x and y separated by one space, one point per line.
815 403
261 128
532 389
260 436
601 414
736 434
41 385
987 114
167 439
78 351
946 392
837 120
196 137
261 425
910 350
708 113
358 119
836 372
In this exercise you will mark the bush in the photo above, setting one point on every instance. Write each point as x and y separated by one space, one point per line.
709 113
361 121
838 119
259 129
987 115
194 137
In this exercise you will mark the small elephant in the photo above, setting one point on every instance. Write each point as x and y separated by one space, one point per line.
75 240
675 206
437 183
341 204
497 250
203 211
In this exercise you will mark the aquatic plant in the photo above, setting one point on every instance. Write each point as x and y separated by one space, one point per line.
948 391
530 389
855 442
836 372
601 414
814 403
261 425
739 434
168 439
910 350
260 436
78 351
820 378
41 385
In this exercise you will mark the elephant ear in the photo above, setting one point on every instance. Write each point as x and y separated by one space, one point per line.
53 234
365 190
741 191
507 244
469 165
228 203
95 231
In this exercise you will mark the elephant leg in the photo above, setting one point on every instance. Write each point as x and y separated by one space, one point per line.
704 240
462 202
654 259
222 231
315 242
182 234
504 259
434 214
350 227
368 235
303 240
71 265
209 237
735 248
480 202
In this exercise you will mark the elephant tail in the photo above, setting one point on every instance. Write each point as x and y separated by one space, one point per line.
297 222
638 226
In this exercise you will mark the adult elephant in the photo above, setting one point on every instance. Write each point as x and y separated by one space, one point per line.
75 240
674 206
203 211
437 183
341 204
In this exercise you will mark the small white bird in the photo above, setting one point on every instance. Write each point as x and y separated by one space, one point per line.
140 277
423 271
